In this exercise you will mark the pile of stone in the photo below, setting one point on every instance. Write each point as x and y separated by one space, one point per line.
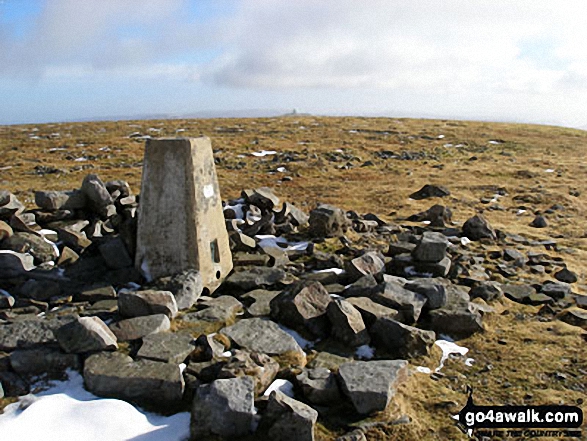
293 334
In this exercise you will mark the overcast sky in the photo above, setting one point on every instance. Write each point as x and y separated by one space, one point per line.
501 60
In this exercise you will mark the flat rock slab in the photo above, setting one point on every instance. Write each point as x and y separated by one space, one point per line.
13 264
143 382
223 408
263 336
139 303
371 385
395 296
167 347
139 327
256 277
85 334
287 419
458 322
28 333
261 300
38 361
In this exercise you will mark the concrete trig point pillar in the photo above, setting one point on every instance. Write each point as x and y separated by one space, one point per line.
181 223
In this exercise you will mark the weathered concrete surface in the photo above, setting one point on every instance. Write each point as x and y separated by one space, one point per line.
181 225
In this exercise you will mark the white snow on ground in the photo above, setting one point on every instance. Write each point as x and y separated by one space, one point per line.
448 347
423 370
264 153
337 271
283 386
549 170
270 240
67 412
365 352
465 241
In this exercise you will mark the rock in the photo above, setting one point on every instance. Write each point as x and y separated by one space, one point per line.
488 291
13 385
223 408
437 215
60 200
370 263
139 327
319 386
120 186
220 312
256 277
263 336
41 290
167 347
241 242
5 231
44 360
29 333
518 293
260 367
435 293
76 240
328 360
328 221
428 269
556 290
207 348
371 311
186 287
575 317
347 323
361 288
31 244
477 228
287 419
6 300
138 303
455 321
261 301
303 307
566 276
291 213
395 296
431 248
401 340
371 385
85 334
539 222
9 205
144 382
114 253
512 255
240 259
355 435
430 191
261 197
96 193
96 293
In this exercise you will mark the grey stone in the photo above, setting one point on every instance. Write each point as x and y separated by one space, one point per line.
9 205
371 385
261 301
41 290
13 384
518 293
206 348
556 290
430 191
432 269
431 248
31 244
186 286
355 435
575 317
319 386
512 255
477 228
327 360
347 323
435 293
437 215
138 303
401 340
287 419
114 253
221 311
223 408
539 222
119 186
291 213
370 263
260 335
144 382
60 200
370 310
488 291
139 327
457 322
395 296
328 221
167 347
303 307
85 334
261 197
6 300
76 240
260 367
566 276
362 287
96 193
44 360
256 277
29 333
1 390
96 293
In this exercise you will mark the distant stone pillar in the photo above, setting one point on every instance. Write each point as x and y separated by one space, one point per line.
181 223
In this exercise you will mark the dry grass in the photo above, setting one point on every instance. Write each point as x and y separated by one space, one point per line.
527 356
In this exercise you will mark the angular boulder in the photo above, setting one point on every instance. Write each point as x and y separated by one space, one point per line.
167 347
431 248
401 340
139 327
328 221
477 228
138 303
44 360
393 295
85 334
370 263
319 386
287 419
347 323
260 367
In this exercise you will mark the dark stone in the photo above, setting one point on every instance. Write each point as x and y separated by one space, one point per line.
328 221
258 366
401 340
256 277
370 310
85 334
185 286
60 200
139 327
430 191
347 323
167 347
287 419
31 244
566 276
395 296
477 228
115 254
435 293
319 386
539 222
370 263
556 290
44 360
139 303
488 291
431 248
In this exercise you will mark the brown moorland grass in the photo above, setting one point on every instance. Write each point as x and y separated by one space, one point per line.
519 359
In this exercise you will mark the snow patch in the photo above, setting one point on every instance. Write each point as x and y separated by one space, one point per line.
283 386
304 344
448 348
264 153
365 352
